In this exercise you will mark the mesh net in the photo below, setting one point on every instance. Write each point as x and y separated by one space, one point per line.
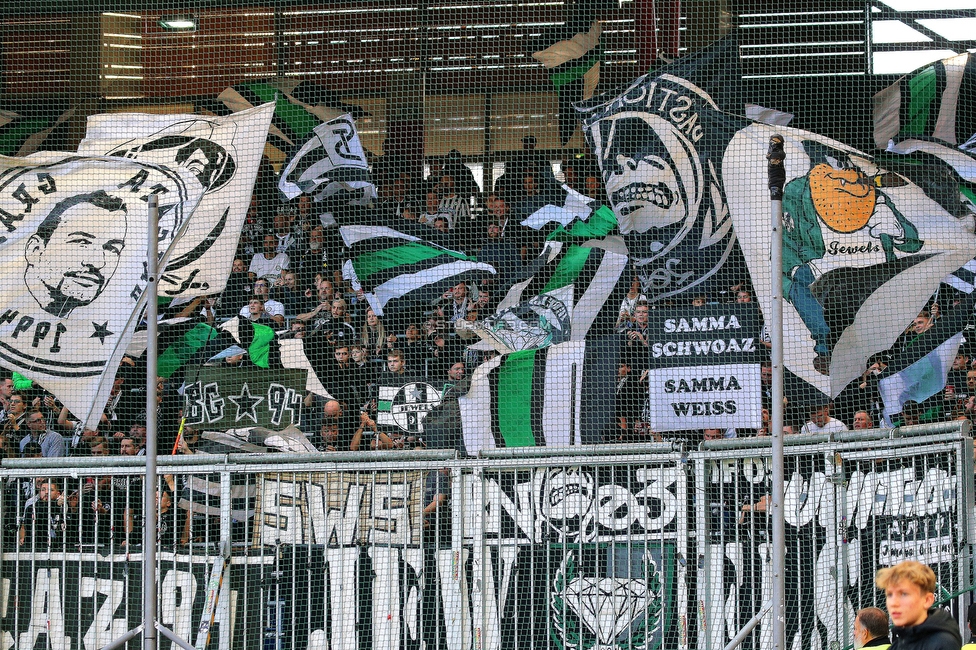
486 290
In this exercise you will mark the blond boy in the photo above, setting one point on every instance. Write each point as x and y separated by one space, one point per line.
910 595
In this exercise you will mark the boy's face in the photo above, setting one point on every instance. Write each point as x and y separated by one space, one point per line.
906 603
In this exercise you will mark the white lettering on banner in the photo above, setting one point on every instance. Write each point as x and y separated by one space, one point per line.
701 348
105 627
47 616
177 592
897 493
706 324
340 509
570 503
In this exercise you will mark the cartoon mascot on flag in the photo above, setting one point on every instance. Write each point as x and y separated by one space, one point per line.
839 196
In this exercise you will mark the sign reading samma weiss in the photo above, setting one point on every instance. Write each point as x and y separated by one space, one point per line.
704 368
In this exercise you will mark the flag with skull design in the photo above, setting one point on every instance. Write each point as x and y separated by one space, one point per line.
864 248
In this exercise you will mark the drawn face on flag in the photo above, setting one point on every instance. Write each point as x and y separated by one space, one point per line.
189 145
652 172
75 251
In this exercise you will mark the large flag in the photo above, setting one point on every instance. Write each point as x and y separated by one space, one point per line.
661 173
300 106
73 246
223 153
863 249
571 54
937 100
260 341
579 291
555 396
22 135
330 162
401 270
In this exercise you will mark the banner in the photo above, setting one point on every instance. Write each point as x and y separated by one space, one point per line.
223 153
704 370
73 247
218 399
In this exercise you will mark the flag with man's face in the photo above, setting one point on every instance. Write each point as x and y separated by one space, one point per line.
223 153
73 249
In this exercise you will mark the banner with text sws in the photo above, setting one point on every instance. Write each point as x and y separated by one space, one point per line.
704 368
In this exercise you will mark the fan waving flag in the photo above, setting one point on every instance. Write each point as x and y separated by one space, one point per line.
223 153
332 161
72 255
573 62
394 267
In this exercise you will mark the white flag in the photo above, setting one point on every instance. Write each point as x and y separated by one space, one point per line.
331 161
73 249
223 153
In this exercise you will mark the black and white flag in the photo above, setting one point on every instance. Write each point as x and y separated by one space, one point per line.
331 161
223 153
73 246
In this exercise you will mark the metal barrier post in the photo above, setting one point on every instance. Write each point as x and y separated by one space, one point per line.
223 604
149 637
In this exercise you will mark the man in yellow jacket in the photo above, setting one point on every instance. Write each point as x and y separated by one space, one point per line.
871 629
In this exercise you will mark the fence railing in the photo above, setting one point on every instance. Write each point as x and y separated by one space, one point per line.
626 547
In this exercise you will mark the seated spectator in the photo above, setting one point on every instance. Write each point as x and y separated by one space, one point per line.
343 428
51 443
270 263
274 309
821 422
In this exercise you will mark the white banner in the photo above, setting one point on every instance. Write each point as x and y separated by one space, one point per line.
705 397
73 246
223 153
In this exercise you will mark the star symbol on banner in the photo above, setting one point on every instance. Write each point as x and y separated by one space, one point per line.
101 331
246 404
415 393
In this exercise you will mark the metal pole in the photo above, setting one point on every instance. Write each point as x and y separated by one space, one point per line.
149 636
777 179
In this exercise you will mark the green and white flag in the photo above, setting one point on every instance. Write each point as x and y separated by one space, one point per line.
397 270
555 396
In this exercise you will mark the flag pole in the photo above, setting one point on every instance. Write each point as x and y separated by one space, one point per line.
777 180
149 638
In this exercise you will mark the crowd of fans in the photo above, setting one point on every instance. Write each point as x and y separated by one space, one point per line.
288 275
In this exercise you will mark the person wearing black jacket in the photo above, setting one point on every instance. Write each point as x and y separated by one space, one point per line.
909 596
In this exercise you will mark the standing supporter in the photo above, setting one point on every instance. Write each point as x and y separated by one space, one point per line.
821 422
373 334
862 420
270 263
274 309
52 443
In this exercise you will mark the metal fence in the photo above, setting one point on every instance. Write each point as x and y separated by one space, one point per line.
606 547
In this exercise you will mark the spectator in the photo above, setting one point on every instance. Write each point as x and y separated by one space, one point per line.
274 309
629 303
821 422
909 597
343 428
270 263
256 313
325 294
871 629
337 327
6 390
16 412
236 292
373 334
862 420
457 305
42 521
287 293
52 443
